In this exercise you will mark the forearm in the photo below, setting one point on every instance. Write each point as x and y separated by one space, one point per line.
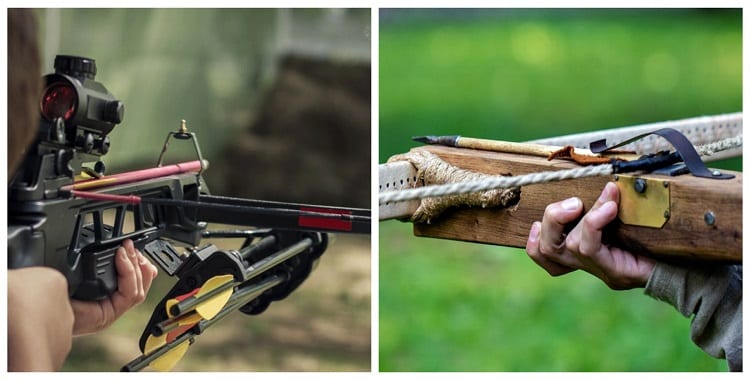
712 294
26 350
40 319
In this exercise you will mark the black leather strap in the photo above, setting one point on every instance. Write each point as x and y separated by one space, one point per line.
683 146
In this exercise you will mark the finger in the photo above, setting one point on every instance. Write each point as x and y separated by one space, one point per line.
592 225
148 271
135 259
126 282
589 231
609 193
532 249
556 216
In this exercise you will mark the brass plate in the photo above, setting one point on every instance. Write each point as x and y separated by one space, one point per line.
650 208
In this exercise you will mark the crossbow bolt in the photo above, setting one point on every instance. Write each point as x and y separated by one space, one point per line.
207 301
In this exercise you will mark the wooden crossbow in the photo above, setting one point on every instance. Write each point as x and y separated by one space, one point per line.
671 205
75 225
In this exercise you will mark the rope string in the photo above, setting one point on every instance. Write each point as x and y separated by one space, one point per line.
501 182
718 146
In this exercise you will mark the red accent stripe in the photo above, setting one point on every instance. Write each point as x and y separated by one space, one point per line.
130 199
174 334
188 294
326 223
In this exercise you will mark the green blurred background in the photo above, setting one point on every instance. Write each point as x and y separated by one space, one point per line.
518 75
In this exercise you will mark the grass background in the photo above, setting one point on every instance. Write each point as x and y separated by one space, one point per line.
517 75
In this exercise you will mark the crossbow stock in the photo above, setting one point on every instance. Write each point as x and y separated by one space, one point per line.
76 224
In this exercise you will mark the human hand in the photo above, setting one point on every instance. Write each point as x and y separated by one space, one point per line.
134 276
40 319
582 248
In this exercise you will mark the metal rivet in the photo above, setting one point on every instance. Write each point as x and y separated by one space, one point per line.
709 218
716 173
666 183
639 185
617 177
666 214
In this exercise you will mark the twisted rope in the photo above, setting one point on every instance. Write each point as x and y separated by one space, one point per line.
718 146
500 182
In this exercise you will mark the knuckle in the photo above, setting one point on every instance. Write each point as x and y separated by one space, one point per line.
104 323
135 295
589 223
549 211
139 298
587 250
571 244
546 249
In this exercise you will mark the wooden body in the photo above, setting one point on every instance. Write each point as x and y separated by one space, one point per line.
686 234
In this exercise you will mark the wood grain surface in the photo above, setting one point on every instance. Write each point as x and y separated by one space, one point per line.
686 234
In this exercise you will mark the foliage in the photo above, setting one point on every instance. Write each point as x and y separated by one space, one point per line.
450 306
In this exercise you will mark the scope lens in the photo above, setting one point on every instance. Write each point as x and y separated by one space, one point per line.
59 100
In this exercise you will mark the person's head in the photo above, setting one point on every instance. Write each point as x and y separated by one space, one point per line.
24 84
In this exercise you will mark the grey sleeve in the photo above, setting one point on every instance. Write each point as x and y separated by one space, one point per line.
713 295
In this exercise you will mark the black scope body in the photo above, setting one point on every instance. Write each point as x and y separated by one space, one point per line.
77 111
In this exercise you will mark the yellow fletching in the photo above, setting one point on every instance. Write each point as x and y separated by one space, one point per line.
205 310
167 361
154 342
212 306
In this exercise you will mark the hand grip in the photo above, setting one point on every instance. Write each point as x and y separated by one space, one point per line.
98 269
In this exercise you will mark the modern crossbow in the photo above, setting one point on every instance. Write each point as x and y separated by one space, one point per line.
75 225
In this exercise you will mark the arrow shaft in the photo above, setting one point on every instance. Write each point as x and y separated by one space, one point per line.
190 303
137 175
238 299
528 149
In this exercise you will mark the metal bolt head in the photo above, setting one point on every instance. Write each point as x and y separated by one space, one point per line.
639 185
59 135
709 218
666 214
